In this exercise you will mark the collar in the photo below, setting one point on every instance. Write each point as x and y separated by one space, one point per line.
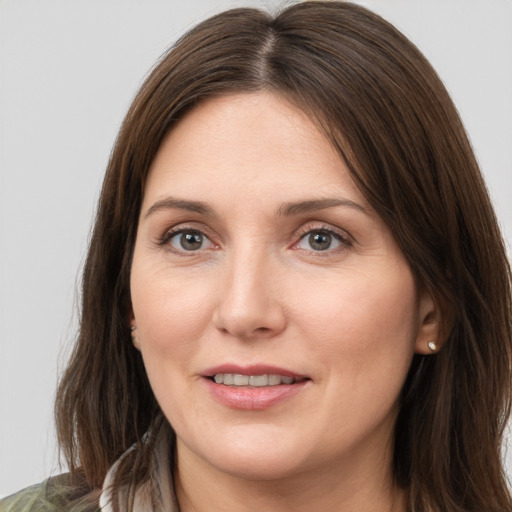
154 495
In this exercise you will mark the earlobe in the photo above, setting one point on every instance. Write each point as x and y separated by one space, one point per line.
428 339
133 332
135 339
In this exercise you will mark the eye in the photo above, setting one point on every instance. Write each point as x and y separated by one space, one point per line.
321 240
188 240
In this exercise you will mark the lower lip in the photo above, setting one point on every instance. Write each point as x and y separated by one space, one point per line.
253 398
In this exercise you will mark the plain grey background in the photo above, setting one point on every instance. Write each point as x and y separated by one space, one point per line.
68 71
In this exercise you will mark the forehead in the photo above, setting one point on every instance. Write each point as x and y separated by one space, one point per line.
258 141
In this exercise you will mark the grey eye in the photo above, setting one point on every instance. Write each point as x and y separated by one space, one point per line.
189 241
319 241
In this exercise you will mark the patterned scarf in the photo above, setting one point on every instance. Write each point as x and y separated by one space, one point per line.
155 495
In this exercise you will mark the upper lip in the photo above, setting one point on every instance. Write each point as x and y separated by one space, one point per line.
252 369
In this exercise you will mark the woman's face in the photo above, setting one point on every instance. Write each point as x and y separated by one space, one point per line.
276 316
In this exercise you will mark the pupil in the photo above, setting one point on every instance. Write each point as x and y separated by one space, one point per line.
320 241
191 241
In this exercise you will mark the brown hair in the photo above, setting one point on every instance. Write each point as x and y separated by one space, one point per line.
383 107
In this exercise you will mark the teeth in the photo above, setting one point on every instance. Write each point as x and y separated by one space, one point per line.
274 380
241 380
233 379
229 379
258 380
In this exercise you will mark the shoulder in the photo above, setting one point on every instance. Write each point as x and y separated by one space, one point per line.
31 499
53 495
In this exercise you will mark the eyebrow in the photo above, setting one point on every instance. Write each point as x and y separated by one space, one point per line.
296 208
180 204
286 209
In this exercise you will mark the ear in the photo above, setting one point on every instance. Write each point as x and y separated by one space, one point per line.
133 331
429 339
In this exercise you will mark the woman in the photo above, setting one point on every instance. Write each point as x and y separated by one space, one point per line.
296 295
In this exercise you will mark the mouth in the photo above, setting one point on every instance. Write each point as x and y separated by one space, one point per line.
255 381
255 387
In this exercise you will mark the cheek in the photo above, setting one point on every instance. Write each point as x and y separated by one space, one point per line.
363 339
172 312
363 320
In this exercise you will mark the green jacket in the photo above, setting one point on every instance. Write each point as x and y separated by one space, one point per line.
55 494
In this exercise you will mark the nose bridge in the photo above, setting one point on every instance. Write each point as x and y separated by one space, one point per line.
248 304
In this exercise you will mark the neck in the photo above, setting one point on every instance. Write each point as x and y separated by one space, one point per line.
201 487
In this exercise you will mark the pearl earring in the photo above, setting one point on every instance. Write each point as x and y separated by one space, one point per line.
432 346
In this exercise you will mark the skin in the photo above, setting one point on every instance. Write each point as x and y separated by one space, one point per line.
256 291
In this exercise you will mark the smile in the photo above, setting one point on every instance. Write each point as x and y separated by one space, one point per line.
253 387
256 381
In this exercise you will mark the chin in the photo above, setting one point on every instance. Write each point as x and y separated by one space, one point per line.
258 467
250 457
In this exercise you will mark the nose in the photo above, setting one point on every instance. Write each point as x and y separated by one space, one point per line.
250 304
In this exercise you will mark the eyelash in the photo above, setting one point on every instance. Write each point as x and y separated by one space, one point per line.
340 236
174 233
307 230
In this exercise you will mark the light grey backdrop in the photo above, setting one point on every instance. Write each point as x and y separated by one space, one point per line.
68 70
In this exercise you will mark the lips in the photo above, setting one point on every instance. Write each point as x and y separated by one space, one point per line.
236 379
253 387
